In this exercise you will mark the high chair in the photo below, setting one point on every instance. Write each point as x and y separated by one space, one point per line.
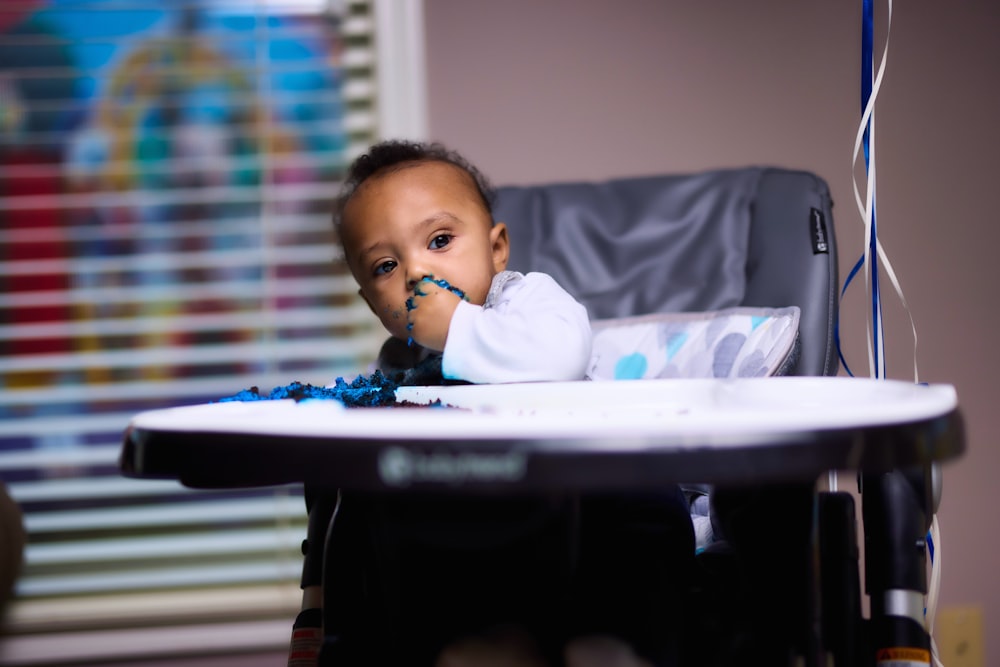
705 242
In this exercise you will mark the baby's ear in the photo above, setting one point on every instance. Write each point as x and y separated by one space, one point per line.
500 244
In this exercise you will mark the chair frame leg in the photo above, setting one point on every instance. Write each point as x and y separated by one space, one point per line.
897 507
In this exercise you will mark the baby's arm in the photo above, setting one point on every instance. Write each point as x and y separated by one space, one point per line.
536 332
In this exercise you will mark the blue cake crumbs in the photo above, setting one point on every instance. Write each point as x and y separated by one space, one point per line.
363 392
375 391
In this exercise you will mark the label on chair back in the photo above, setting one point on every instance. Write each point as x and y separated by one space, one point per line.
817 232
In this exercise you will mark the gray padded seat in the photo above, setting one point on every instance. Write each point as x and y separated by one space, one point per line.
754 236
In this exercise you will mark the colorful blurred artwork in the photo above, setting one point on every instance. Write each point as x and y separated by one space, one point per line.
159 162
167 170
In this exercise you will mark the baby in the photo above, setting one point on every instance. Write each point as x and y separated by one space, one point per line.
419 237
415 220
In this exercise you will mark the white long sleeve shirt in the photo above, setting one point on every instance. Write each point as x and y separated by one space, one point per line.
530 329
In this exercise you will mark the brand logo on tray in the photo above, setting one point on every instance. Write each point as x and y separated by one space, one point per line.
400 467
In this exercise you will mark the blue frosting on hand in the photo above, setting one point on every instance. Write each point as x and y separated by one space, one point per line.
411 304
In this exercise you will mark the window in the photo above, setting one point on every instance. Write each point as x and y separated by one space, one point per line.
166 174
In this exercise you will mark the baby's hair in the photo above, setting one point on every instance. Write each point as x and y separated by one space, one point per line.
390 156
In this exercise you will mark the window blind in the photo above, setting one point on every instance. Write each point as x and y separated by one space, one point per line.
166 175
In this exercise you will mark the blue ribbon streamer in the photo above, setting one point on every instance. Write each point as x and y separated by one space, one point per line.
867 43
836 325
867 70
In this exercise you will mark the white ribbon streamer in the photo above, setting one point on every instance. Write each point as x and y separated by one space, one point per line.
866 207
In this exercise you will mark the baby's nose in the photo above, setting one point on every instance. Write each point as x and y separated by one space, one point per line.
415 275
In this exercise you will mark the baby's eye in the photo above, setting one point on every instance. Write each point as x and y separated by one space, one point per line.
385 267
440 241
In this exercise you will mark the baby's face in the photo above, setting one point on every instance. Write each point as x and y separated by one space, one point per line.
422 220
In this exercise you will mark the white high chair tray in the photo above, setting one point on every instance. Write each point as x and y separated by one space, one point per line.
555 435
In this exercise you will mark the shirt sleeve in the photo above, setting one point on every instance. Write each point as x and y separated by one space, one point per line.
535 332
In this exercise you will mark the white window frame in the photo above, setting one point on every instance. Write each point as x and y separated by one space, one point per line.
402 69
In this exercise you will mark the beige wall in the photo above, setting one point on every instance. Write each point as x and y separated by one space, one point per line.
589 89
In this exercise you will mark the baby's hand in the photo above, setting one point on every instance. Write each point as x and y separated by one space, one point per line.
429 313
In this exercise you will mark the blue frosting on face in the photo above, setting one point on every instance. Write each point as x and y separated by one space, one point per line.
442 283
